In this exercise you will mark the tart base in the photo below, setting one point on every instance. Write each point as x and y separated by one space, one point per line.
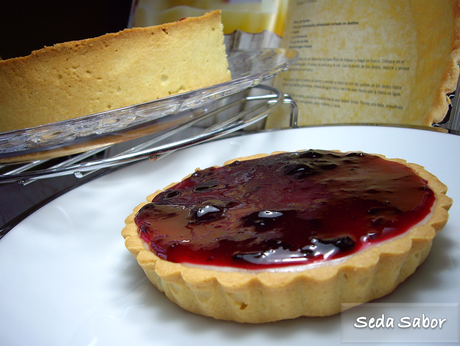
265 296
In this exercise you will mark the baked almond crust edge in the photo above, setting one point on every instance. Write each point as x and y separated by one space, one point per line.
261 297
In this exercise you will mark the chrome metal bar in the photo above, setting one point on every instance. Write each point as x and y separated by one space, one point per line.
294 113
25 167
70 161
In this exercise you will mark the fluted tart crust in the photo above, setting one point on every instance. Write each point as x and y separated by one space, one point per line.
316 287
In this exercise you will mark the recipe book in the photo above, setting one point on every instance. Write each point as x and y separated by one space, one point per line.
360 61
370 61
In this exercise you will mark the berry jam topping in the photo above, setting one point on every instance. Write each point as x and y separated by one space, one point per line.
284 209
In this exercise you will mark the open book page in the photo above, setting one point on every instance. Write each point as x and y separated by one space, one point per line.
370 61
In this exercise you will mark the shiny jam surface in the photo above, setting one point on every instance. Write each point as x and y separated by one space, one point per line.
284 209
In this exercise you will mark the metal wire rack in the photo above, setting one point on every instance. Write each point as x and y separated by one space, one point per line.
158 146
252 108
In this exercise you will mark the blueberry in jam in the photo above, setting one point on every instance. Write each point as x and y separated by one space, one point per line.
284 209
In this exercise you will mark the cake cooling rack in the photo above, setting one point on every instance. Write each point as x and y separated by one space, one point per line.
236 112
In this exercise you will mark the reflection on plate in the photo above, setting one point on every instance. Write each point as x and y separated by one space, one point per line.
248 69
67 278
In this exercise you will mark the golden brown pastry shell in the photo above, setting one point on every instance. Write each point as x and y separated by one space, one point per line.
264 296
133 66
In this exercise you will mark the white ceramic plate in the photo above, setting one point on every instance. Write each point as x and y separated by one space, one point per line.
67 279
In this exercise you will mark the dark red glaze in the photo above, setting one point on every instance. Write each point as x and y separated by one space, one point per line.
285 209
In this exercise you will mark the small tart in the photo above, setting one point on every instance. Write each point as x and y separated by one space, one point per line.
272 237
